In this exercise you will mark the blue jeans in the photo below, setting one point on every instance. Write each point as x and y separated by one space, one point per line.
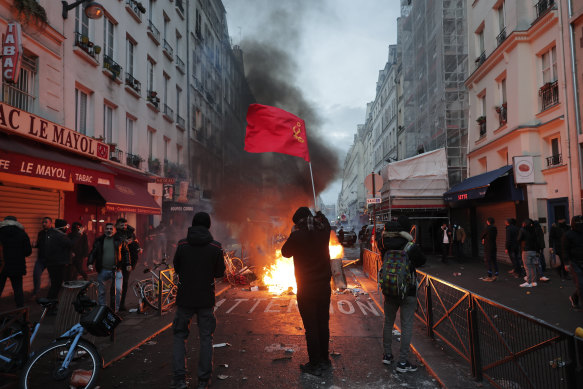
106 275
407 307
207 323
531 265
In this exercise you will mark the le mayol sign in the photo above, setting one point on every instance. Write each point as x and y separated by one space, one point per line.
16 121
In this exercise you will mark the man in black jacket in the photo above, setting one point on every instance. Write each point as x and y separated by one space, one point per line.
198 261
58 256
489 242
308 244
395 237
15 248
572 250
109 254
555 237
513 248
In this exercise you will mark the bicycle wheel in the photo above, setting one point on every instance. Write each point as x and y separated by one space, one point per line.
150 294
233 272
14 347
45 370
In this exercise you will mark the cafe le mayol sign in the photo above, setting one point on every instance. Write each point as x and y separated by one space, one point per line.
34 127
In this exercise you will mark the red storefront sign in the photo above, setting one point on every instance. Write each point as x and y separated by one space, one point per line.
40 168
11 52
165 180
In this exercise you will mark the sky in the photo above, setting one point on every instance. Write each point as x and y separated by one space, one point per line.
339 47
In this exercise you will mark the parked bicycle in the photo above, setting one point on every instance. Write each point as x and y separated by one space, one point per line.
70 360
149 289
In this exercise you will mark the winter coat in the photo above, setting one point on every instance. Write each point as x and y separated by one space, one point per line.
15 247
489 237
56 248
572 245
308 244
555 237
80 245
512 237
527 239
397 240
122 256
133 246
198 261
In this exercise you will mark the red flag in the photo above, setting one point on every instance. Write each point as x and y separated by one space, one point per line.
270 129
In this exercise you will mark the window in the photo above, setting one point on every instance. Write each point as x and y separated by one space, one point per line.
150 75
165 91
22 94
178 93
501 21
549 65
178 154
130 135
150 9
131 48
555 146
81 101
108 32
503 90
108 123
481 42
197 30
81 21
150 144
166 24
166 144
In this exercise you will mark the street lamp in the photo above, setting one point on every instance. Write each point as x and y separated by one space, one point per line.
93 10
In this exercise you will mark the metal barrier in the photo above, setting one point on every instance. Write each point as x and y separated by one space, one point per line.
371 263
509 348
166 290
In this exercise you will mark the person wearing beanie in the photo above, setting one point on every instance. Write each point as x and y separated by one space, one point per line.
396 236
15 245
198 261
308 245
58 256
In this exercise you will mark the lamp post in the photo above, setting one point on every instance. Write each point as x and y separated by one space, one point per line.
93 10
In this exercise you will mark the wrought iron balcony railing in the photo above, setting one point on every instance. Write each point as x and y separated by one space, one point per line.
134 160
152 97
133 83
179 5
549 94
112 66
501 37
180 64
554 160
153 32
136 8
83 42
168 50
543 6
502 113
180 121
480 60
482 126
168 111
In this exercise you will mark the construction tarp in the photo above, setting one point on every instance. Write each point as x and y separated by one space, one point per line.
421 179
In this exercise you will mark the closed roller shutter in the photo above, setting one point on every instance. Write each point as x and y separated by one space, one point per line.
500 212
29 206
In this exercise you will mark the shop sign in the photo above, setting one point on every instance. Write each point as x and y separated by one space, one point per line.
165 180
523 169
11 52
182 208
131 209
34 127
34 167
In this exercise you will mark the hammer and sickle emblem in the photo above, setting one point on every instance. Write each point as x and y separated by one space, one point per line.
296 130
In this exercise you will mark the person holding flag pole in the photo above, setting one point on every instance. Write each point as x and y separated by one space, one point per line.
270 129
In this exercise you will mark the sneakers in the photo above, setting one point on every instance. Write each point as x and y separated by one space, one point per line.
544 279
178 383
311 368
387 359
527 285
489 279
404 367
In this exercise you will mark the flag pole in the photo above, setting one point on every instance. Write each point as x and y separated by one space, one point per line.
313 188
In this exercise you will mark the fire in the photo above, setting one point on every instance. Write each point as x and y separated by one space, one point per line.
280 277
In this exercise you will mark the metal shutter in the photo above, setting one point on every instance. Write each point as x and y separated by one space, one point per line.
500 212
29 206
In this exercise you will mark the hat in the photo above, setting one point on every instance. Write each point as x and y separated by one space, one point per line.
13 218
301 213
201 219
60 223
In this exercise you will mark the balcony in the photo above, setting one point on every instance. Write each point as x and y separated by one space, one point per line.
180 6
136 9
112 66
153 33
152 98
180 65
133 83
554 160
549 94
542 7
154 165
168 51
115 155
481 59
501 37
83 42
502 113
168 113
482 125
134 160
180 122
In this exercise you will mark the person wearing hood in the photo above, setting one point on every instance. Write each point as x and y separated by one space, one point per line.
197 262
15 248
308 244
58 256
395 237
572 250
489 241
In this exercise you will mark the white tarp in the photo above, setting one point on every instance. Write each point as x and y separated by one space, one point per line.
421 176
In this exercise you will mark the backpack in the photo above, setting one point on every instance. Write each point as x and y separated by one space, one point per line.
395 276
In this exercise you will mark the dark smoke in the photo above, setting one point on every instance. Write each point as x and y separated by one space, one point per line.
259 196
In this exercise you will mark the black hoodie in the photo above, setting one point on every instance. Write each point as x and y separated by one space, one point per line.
572 242
15 247
198 261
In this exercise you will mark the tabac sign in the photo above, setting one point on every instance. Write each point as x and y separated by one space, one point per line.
31 126
11 52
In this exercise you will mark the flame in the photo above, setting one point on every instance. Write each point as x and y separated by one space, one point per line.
280 277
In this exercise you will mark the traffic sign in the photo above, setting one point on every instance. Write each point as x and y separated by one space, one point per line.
376 200
378 183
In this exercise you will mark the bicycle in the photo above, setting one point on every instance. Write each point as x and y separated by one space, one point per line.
234 268
15 342
69 360
148 289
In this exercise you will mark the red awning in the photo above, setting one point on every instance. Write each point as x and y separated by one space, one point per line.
129 195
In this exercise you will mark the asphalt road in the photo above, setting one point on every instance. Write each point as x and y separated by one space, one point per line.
266 344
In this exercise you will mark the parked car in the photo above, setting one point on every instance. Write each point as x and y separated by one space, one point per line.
349 237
